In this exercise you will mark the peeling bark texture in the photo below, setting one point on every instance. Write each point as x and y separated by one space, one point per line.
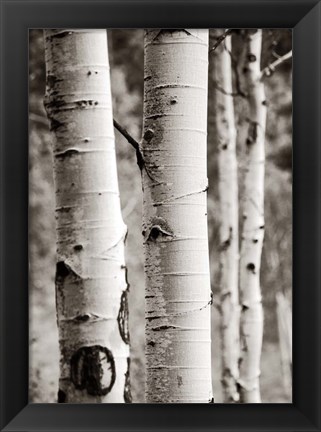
91 281
253 226
178 340
225 142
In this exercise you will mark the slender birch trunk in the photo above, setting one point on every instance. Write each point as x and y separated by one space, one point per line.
178 294
284 317
91 285
253 226
225 142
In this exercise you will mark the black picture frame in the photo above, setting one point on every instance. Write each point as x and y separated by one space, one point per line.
304 17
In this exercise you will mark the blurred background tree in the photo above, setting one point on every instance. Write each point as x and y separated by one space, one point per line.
126 61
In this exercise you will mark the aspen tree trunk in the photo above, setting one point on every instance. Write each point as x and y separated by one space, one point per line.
178 295
284 317
225 142
91 285
253 225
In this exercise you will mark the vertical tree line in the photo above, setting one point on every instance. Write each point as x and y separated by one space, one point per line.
253 223
91 285
178 296
225 143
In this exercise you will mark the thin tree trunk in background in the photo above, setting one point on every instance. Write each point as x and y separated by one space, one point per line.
225 142
91 285
178 295
253 225
284 317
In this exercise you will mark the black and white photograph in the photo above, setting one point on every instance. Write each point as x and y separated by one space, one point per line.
160 216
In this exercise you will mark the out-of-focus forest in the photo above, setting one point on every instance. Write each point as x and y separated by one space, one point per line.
126 63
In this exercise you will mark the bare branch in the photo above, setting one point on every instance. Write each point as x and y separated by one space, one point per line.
133 142
221 39
271 68
126 135
275 54
139 155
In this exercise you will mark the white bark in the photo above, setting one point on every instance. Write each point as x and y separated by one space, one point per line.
253 226
91 286
225 142
178 295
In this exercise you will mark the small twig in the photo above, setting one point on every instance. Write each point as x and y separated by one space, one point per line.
139 155
125 134
133 142
271 68
276 55
221 39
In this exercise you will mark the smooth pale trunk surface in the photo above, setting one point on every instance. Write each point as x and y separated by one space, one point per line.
225 143
91 286
178 295
253 226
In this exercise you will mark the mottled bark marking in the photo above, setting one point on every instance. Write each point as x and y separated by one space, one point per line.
63 270
157 227
62 397
93 369
127 391
123 317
